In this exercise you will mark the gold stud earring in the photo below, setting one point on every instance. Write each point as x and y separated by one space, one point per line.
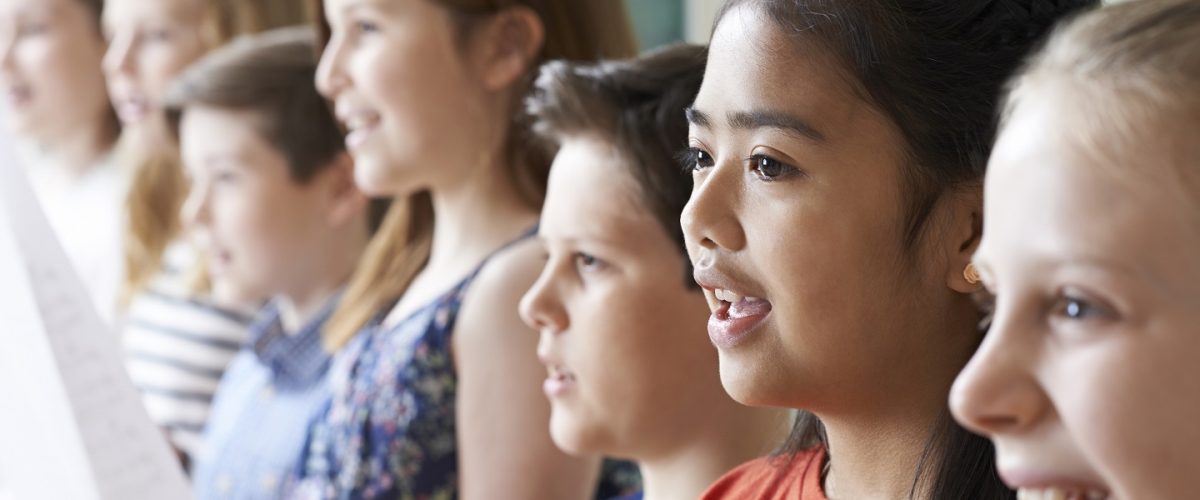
971 274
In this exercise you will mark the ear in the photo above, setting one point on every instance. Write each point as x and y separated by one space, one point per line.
507 45
964 233
344 201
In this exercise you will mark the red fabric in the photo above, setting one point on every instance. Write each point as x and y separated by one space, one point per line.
772 479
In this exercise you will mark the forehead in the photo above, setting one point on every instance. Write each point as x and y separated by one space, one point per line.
9 7
592 194
205 130
753 64
1049 190
119 12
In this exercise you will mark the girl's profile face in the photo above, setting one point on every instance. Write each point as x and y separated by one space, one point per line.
795 229
50 53
150 43
398 75
1087 380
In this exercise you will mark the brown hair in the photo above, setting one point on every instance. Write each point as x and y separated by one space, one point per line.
637 105
158 185
272 76
111 124
575 30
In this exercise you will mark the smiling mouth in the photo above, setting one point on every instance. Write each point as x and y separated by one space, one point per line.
1060 493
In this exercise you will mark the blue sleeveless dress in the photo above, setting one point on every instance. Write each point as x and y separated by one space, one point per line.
389 429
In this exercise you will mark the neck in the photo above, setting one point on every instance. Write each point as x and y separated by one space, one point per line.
875 458
711 451
476 215
332 269
76 152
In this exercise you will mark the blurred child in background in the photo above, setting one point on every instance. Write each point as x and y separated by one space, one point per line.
181 330
273 203
55 104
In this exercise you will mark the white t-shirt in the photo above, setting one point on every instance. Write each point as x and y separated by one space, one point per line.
87 214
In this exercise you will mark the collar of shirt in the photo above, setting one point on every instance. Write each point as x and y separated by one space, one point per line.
299 357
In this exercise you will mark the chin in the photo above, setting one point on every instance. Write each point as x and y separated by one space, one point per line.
573 437
375 176
745 382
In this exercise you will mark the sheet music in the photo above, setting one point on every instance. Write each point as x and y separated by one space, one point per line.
71 423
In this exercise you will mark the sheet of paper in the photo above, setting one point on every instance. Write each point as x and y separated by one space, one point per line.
71 423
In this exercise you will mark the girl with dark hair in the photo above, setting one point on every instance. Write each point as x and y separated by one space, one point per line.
1087 380
837 150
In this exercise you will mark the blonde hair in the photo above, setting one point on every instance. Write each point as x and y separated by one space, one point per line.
1134 70
575 30
158 186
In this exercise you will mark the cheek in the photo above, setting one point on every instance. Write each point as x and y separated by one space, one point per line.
1126 409
159 66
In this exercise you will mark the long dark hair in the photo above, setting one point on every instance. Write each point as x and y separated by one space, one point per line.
936 69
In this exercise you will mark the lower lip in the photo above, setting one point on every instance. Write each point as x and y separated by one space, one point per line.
131 113
357 137
726 332
557 388
16 99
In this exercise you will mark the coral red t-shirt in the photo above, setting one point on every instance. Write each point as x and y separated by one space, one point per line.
773 478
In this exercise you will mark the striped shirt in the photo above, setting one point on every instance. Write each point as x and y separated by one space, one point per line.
177 347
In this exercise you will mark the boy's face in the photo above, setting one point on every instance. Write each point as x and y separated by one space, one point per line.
622 336
1088 378
257 226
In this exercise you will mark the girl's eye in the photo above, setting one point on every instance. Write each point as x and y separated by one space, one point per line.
224 177
770 169
32 29
696 159
588 263
1078 309
365 27
157 35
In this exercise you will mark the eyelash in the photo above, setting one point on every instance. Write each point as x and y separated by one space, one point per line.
696 159
587 262
759 161
1070 307
365 27
1066 307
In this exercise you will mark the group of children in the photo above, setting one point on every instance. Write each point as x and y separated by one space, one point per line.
457 248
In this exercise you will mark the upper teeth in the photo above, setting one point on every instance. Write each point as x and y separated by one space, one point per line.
733 297
1059 494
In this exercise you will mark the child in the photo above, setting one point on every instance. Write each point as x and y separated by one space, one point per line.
55 104
837 150
631 373
435 383
274 206
179 331
1087 381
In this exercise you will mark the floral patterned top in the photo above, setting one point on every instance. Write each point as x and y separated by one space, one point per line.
389 429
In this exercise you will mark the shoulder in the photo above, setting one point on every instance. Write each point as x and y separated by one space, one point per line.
494 295
772 477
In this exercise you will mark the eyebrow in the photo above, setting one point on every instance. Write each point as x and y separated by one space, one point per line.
756 119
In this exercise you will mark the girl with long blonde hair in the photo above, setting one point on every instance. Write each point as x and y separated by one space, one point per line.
436 384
